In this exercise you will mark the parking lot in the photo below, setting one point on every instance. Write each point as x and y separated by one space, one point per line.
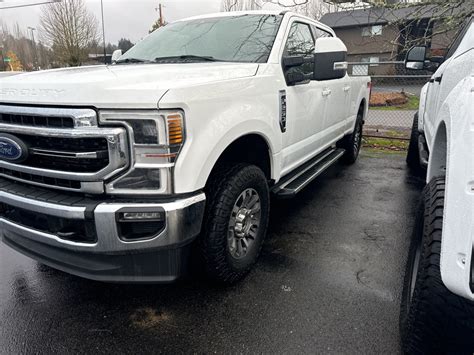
329 280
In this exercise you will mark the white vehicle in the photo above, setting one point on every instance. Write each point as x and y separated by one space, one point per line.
437 313
117 173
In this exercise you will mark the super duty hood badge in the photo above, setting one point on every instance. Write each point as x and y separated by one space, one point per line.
31 92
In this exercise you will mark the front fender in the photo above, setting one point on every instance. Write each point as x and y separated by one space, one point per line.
457 113
215 116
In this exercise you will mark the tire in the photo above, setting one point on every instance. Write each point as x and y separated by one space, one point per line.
353 142
432 319
413 154
224 227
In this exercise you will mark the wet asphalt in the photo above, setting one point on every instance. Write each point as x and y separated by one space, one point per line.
328 281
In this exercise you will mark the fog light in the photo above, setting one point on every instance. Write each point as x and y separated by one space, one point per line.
142 216
140 223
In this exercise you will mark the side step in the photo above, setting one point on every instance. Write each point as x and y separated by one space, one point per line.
295 181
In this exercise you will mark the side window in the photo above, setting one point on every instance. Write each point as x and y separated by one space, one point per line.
300 42
319 33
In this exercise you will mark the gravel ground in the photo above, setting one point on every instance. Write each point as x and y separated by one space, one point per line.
328 281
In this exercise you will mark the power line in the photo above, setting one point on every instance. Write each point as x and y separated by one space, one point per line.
27 5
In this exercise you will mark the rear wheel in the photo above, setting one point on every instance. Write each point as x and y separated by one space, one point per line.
353 142
432 319
236 220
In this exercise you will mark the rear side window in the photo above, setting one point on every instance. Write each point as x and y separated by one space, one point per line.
300 42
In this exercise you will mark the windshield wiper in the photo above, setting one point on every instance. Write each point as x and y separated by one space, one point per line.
132 60
187 57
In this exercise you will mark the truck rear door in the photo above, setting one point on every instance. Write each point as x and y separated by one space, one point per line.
336 94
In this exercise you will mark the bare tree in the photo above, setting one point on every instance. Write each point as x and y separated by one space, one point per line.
311 8
240 5
428 20
232 5
69 28
316 8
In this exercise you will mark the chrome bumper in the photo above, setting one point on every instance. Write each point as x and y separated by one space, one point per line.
109 258
183 223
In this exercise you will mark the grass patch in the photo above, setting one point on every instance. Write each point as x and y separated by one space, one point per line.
412 104
385 144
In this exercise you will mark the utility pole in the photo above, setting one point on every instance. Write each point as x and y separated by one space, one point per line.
161 14
103 30
35 55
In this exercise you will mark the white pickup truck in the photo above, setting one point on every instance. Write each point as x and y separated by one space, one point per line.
437 313
119 172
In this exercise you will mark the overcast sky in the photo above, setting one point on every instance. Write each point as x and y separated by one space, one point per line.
123 18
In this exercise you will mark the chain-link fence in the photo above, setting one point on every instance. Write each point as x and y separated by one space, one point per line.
395 97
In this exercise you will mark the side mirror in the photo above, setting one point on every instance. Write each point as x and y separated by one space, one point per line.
116 55
415 58
329 59
293 61
296 76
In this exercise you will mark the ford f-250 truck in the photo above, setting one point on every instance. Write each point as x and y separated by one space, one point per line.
437 313
118 172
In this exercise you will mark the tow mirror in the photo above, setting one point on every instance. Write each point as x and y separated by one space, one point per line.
116 55
297 60
296 76
329 59
415 58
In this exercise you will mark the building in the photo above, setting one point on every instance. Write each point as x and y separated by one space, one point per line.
94 59
380 34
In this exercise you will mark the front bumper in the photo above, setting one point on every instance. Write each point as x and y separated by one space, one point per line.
106 256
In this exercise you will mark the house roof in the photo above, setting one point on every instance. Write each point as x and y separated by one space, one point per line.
378 15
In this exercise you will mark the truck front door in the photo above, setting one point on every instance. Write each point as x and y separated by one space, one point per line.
305 102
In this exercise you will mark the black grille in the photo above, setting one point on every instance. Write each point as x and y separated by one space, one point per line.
67 229
67 145
70 184
37 121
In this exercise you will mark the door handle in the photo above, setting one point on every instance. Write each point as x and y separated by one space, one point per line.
326 92
347 88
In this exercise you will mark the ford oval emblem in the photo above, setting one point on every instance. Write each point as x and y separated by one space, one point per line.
12 149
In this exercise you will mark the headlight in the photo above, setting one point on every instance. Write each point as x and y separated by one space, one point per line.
156 139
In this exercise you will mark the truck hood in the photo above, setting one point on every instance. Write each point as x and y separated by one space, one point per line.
117 86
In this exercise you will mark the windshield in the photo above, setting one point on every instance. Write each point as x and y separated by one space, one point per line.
245 38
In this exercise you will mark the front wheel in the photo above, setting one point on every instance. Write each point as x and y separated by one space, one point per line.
236 220
353 142
432 319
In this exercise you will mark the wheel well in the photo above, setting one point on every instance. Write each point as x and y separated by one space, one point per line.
252 149
438 155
